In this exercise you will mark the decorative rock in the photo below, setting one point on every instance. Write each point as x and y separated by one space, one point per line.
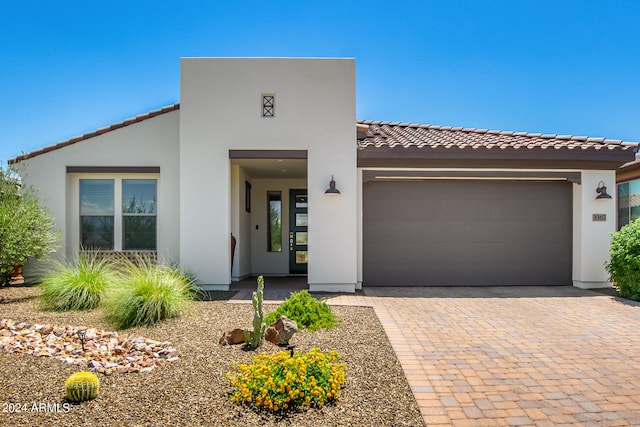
44 329
281 331
105 352
232 337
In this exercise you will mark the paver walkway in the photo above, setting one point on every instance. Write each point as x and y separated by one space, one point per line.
543 356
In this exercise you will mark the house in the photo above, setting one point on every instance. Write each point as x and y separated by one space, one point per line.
265 156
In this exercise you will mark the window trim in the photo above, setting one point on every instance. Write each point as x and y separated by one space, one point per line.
72 235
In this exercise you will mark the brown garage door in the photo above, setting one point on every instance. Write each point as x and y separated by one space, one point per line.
466 233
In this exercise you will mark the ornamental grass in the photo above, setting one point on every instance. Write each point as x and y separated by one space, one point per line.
78 284
280 382
148 293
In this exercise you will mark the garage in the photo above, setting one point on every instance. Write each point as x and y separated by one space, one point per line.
467 232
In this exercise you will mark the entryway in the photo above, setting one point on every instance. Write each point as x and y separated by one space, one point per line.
269 213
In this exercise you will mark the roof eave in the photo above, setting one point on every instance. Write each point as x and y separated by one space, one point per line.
590 158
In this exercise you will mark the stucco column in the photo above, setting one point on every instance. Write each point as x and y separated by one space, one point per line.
593 221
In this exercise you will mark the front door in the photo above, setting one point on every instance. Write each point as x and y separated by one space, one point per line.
298 235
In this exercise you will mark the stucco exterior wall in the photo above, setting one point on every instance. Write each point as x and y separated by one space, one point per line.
152 142
591 239
315 111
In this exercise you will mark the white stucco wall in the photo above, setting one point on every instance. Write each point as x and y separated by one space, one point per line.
152 142
315 111
591 239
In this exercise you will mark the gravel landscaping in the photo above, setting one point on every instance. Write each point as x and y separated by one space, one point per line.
192 390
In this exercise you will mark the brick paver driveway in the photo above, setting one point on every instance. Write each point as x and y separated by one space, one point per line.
515 356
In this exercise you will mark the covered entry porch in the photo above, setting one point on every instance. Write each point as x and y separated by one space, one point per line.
269 214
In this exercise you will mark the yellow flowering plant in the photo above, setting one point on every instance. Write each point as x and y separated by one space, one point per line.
280 382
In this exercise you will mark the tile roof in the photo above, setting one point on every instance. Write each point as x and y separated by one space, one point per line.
404 135
374 135
101 131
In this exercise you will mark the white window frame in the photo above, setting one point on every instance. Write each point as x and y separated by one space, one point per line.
73 206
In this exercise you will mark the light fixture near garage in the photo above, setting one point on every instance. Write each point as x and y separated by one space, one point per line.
602 191
332 187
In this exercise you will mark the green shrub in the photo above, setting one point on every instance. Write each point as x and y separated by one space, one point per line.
78 284
147 294
307 312
25 226
624 265
279 382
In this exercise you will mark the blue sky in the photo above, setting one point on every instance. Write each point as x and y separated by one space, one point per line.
564 67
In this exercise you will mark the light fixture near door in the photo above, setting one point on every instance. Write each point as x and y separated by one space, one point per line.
602 191
332 187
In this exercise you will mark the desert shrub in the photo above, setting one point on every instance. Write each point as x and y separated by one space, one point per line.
307 312
78 284
279 382
25 226
147 294
624 265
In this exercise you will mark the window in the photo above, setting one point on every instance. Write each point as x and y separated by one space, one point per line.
101 228
628 202
96 213
274 229
138 214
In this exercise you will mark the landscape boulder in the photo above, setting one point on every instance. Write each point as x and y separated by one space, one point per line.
232 337
281 331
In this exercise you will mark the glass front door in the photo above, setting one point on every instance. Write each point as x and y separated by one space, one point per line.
298 233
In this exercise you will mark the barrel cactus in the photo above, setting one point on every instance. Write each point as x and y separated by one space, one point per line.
82 386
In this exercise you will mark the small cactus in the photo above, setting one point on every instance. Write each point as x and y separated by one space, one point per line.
258 316
82 386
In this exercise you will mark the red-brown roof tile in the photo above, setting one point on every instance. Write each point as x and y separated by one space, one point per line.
401 135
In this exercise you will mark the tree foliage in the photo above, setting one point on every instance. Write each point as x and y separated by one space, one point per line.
25 226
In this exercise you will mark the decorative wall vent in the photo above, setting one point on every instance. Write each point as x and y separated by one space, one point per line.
268 105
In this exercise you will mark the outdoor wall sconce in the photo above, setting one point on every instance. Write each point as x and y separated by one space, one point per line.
332 187
602 191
